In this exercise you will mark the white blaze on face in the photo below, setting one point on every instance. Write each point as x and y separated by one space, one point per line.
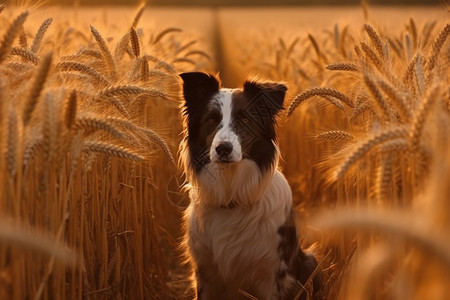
225 134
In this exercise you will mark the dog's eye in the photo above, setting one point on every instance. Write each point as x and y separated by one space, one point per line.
245 120
211 121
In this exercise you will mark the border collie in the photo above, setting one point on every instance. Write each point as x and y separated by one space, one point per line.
241 234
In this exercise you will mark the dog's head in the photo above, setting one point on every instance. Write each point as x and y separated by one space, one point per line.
228 126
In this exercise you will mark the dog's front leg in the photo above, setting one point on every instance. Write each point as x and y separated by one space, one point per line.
209 285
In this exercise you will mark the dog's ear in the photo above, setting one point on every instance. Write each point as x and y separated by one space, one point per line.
271 93
198 88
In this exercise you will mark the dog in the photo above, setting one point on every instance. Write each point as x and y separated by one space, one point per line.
240 226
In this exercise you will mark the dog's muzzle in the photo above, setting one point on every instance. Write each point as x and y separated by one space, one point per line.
223 151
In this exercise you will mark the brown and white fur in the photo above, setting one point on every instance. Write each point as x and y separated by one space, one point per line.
241 235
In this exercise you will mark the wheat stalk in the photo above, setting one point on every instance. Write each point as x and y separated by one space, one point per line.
40 35
366 145
164 33
110 149
319 91
199 53
36 87
184 60
138 15
105 53
11 33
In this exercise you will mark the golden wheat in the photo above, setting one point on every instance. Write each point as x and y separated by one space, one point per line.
11 33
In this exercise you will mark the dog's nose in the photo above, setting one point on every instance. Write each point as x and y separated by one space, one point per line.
223 149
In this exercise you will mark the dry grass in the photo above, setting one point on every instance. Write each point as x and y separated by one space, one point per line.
90 121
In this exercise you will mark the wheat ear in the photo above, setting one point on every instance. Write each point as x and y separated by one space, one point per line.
70 109
144 70
318 92
420 76
25 54
110 149
13 143
23 40
316 47
11 33
36 87
420 117
40 35
74 66
413 30
371 55
121 46
437 46
377 96
335 135
342 67
409 73
384 178
366 145
94 123
165 32
105 52
397 100
426 32
49 127
376 40
125 90
134 40
150 134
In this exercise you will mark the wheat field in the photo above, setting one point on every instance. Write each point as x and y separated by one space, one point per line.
90 190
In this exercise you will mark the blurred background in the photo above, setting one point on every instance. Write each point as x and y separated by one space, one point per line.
251 2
